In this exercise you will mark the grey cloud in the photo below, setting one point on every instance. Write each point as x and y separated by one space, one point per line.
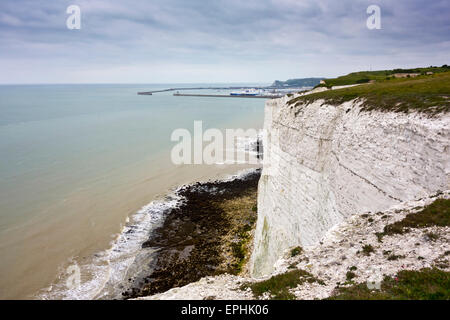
243 34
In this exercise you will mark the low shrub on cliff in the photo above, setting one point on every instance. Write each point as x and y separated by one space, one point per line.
367 249
435 214
394 257
425 284
430 94
350 275
296 251
278 286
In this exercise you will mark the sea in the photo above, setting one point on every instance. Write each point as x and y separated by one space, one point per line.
83 164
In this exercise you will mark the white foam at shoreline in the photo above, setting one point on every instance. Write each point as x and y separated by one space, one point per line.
105 275
108 269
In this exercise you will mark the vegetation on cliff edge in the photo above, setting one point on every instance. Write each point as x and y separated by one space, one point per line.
241 212
435 214
428 94
278 286
379 75
425 284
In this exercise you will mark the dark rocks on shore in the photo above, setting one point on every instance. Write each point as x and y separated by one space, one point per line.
194 236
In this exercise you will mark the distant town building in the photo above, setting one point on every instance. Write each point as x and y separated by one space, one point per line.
429 72
406 75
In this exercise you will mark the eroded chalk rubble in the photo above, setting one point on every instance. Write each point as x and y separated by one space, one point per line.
341 250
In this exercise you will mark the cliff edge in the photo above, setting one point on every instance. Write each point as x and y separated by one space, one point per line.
324 162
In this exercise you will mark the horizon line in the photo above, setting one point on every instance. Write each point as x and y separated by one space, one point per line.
135 83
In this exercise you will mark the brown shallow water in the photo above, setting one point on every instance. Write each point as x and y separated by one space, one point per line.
93 218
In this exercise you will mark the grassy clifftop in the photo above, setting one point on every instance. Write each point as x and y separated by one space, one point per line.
366 76
425 93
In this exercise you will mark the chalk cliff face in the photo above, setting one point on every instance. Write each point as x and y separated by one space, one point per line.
323 163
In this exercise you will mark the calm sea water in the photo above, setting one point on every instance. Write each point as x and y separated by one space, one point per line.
77 161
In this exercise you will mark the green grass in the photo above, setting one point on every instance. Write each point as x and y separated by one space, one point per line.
395 257
366 76
241 214
435 214
367 249
278 286
431 236
350 275
425 284
430 94
239 249
355 77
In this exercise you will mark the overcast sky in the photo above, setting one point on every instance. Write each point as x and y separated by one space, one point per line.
145 41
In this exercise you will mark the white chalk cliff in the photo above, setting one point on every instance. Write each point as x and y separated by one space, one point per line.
323 163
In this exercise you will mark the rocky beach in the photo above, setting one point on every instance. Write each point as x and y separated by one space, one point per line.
351 255
209 233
